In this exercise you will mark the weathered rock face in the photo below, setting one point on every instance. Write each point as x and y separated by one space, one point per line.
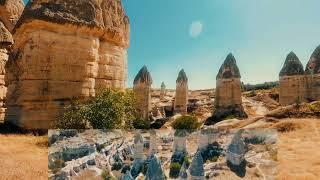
292 81
181 99
5 41
64 50
153 142
237 149
138 146
10 11
142 90
162 91
228 101
313 76
180 141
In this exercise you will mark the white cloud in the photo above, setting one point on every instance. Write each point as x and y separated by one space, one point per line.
195 29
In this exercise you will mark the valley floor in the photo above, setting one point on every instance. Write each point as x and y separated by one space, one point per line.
23 157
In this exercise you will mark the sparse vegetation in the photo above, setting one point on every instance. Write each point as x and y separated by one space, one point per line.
174 170
186 122
110 109
106 175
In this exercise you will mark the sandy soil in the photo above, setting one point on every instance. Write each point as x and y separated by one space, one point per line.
23 157
298 151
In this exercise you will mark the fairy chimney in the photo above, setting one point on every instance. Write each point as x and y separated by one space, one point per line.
292 81
313 76
180 141
142 89
5 42
153 142
181 98
163 91
64 50
197 167
228 88
138 146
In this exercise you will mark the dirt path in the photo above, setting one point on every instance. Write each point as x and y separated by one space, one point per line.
21 157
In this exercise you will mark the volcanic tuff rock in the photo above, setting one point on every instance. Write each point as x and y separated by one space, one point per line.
197 169
142 89
155 171
313 66
5 41
292 66
229 68
64 50
10 11
181 98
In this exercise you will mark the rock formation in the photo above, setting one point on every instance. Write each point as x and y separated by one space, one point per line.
10 12
153 142
183 175
206 137
197 169
155 171
162 91
313 76
228 101
5 42
138 146
181 99
292 81
237 149
142 89
64 50
127 176
180 141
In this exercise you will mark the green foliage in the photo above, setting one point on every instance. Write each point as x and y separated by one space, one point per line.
230 117
174 170
141 124
315 107
266 85
186 122
110 109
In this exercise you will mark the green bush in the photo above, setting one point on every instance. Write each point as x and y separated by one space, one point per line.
110 109
186 122
174 170
141 124
106 175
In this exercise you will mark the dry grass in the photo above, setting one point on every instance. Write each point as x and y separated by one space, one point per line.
298 150
23 157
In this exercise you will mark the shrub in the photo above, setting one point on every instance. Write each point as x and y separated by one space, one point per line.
110 109
174 170
141 124
186 122
106 175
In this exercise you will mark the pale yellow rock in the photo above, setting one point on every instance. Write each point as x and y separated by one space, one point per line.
181 98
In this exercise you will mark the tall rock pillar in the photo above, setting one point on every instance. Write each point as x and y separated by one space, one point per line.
163 91
64 50
228 100
313 76
142 90
292 81
181 98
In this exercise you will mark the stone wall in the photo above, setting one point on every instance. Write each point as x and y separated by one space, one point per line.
292 89
56 59
228 92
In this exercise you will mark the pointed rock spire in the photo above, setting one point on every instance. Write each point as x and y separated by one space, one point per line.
127 176
229 68
155 170
183 175
292 66
143 76
237 145
5 36
182 77
197 169
163 86
313 66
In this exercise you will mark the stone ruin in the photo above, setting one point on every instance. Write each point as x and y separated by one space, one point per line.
228 100
163 91
181 98
10 11
142 90
297 85
60 54
292 81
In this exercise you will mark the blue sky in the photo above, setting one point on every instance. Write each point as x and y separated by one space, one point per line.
197 35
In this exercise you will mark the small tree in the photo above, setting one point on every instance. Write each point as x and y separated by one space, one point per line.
186 122
110 109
